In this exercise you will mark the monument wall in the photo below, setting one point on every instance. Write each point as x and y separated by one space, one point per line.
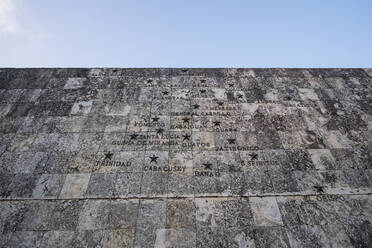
168 157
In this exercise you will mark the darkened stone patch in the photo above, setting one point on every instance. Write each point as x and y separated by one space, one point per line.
181 214
88 238
238 184
26 239
210 237
101 185
304 236
180 184
57 163
95 124
271 237
19 109
237 237
44 124
5 140
359 233
37 216
12 216
357 179
108 95
366 106
259 181
206 185
10 96
268 139
128 184
51 109
284 181
351 158
237 213
255 94
299 160
292 211
65 215
122 214
5 182
151 217
10 124
347 121
21 185
154 183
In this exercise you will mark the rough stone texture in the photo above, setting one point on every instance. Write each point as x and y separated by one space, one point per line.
185 158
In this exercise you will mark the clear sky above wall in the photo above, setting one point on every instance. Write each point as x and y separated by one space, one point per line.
113 33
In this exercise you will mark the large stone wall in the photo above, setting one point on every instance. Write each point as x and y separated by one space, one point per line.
185 157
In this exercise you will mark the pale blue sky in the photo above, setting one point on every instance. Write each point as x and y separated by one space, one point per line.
204 33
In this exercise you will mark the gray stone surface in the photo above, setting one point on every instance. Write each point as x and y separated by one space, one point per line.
185 158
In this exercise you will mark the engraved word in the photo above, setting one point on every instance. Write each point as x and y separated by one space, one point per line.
328 198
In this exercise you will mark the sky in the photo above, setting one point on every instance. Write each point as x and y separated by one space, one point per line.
175 33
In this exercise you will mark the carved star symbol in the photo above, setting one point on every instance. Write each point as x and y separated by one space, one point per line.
149 81
165 93
254 156
319 188
186 137
45 189
220 103
196 106
217 123
231 85
231 141
133 136
154 119
240 96
186 119
203 91
108 155
44 181
207 166
153 159
160 130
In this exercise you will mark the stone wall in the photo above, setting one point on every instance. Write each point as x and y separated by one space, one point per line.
168 157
